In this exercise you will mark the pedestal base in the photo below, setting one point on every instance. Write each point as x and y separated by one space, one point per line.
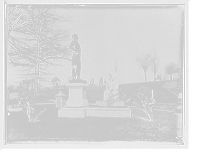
116 104
80 103
77 95
72 112
109 112
94 112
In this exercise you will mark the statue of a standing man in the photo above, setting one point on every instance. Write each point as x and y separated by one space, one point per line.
75 48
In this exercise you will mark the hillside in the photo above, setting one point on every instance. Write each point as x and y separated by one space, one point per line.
161 95
150 85
95 92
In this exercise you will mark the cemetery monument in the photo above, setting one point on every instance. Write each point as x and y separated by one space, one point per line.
76 105
111 94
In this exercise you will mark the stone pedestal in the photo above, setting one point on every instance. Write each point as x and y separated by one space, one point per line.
76 103
105 104
72 112
109 112
77 95
94 112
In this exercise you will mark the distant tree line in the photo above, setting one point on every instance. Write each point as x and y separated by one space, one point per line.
171 69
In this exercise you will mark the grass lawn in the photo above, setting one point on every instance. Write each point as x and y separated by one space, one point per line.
51 128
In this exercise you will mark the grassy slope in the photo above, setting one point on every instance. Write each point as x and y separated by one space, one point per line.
95 93
161 94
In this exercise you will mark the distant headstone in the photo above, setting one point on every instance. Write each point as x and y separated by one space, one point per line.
152 100
77 81
101 81
92 81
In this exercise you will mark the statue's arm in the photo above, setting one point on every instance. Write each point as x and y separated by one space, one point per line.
73 47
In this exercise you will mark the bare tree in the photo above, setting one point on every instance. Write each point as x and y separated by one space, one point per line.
145 63
142 100
31 112
171 69
34 40
155 65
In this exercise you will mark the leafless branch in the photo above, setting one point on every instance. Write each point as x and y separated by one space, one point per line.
145 62
23 12
13 9
171 69
14 27
18 64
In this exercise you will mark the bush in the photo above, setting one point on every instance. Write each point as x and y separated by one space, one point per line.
28 108
141 98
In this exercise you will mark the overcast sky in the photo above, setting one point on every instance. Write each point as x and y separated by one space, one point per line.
112 36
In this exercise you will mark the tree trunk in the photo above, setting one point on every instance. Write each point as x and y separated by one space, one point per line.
37 66
145 76
36 73
36 79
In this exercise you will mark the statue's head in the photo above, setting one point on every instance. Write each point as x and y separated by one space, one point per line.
75 36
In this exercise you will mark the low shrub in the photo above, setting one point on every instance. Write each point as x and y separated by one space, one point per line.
28 108
141 98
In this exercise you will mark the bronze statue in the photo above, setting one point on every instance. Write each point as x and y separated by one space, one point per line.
75 48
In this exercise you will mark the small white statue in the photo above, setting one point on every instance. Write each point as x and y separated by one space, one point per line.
112 85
